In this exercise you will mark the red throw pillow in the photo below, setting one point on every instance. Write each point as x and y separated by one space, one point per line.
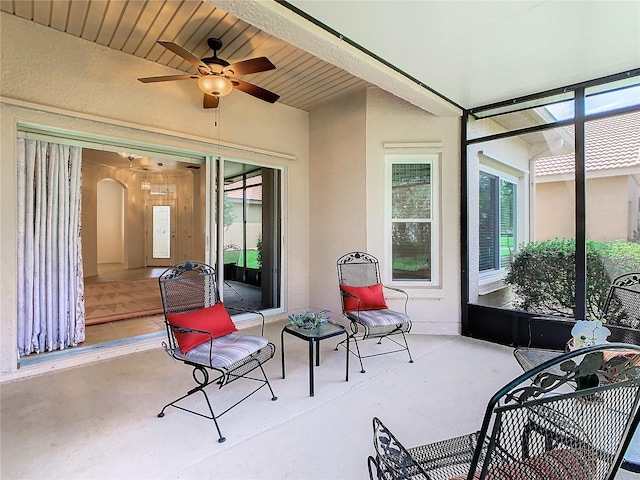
215 320
371 297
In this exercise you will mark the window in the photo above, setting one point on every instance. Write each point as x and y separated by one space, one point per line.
498 207
413 229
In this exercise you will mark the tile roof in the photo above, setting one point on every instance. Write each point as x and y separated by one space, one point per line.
612 142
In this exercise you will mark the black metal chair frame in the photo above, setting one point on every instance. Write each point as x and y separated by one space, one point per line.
190 286
232 247
622 306
359 330
539 401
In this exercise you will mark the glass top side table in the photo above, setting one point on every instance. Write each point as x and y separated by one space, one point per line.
312 335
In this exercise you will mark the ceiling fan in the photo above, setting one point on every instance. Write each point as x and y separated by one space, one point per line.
217 77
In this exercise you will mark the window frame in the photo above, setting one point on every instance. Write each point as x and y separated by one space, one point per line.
501 176
434 160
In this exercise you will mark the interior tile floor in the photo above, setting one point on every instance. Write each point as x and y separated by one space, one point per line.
234 293
99 421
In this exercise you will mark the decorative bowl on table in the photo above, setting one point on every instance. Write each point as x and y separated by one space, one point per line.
309 320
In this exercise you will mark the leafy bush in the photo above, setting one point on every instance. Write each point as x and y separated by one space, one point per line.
542 274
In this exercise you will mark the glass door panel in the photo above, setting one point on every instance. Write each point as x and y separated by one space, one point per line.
161 233
252 256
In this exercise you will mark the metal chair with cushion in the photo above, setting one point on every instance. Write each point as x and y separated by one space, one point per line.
201 334
364 305
551 423
622 306
231 258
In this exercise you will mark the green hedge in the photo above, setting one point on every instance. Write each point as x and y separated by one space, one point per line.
542 274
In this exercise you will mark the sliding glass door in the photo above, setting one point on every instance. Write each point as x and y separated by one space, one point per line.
252 236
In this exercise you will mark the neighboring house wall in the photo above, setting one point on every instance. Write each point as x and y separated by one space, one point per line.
612 208
92 89
612 162
234 233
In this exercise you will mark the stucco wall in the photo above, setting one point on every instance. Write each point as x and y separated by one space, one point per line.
347 185
84 87
511 158
337 150
612 208
433 309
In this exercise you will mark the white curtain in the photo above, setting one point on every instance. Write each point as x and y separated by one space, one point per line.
50 279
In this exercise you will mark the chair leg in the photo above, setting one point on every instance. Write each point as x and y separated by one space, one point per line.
406 344
202 382
372 464
273 395
343 343
358 354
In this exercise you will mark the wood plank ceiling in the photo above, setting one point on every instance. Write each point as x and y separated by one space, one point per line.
302 80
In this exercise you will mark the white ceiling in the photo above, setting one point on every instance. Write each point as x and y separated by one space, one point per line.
479 52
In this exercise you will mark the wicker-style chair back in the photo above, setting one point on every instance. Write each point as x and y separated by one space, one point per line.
622 307
570 418
358 269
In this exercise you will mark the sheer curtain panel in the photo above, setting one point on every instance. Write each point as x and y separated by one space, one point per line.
50 279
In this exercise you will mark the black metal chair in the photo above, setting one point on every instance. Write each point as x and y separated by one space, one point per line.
202 335
364 305
551 423
622 306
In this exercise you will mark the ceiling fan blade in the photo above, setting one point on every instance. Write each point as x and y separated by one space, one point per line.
186 54
255 90
253 65
210 101
166 78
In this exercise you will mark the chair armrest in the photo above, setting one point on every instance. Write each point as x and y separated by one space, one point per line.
406 295
248 310
346 294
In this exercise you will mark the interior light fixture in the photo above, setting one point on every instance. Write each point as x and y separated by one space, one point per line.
145 185
215 85
131 157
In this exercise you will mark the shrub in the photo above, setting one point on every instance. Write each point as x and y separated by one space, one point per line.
542 274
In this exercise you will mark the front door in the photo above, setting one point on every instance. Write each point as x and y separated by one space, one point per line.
160 233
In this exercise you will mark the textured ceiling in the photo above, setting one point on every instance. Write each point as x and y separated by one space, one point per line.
133 27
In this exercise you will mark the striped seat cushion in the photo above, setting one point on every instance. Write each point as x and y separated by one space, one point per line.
378 318
227 350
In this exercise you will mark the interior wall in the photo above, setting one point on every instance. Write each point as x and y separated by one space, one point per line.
102 99
110 227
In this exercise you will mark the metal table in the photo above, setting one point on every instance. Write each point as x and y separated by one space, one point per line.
312 335
529 358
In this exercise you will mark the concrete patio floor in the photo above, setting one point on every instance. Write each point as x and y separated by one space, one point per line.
99 421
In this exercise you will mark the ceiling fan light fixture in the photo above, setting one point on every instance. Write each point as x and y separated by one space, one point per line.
215 85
